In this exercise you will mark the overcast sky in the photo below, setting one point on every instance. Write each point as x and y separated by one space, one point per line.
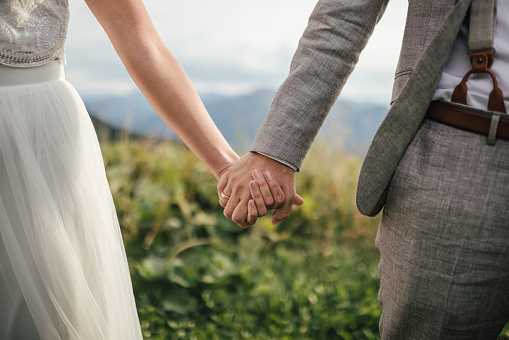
230 47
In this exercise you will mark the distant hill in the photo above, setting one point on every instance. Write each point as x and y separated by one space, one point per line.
239 118
106 131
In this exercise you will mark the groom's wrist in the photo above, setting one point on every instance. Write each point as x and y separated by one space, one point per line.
282 161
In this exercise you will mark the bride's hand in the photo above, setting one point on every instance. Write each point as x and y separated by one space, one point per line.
256 194
262 198
266 194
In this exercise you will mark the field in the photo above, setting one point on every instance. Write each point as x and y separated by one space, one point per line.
196 275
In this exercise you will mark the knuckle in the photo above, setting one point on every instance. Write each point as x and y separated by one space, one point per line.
237 186
256 195
283 216
261 181
237 219
262 211
227 214
274 184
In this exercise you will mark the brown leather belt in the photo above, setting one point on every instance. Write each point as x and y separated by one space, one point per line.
466 120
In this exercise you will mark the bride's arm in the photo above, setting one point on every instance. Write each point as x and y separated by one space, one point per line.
162 80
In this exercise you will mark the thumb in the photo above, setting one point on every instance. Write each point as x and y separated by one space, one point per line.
298 200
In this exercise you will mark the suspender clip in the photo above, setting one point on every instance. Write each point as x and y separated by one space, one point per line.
481 63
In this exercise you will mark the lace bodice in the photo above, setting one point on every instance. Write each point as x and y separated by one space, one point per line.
32 32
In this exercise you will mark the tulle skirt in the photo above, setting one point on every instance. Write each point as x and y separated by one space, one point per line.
63 269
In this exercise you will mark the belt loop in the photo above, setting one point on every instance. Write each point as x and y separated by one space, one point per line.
492 135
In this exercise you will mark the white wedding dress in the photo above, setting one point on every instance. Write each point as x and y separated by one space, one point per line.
63 269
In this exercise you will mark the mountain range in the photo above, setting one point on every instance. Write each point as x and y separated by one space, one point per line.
350 124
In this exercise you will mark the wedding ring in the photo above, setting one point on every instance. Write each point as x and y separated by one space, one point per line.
224 196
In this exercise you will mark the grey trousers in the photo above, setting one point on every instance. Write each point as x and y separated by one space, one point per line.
444 239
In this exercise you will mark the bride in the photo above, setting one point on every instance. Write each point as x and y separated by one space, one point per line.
63 269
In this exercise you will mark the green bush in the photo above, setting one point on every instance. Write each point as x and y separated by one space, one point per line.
197 275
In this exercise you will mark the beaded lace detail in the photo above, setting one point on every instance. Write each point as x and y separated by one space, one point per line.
32 32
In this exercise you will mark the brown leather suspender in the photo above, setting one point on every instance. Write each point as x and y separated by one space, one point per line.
481 51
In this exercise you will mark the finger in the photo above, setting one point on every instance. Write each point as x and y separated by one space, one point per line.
280 214
229 206
223 200
265 191
221 188
223 197
298 200
275 189
283 212
239 215
252 212
257 198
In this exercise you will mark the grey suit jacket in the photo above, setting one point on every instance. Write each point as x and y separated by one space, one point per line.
337 32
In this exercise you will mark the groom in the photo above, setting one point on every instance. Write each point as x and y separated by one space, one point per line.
444 264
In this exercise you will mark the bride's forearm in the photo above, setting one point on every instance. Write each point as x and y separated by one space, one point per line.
162 79
170 92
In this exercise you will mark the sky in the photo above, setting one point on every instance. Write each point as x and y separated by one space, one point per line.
230 47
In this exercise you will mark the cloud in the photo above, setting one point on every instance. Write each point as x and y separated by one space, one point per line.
230 46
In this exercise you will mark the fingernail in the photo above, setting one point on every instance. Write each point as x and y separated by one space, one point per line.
269 175
257 173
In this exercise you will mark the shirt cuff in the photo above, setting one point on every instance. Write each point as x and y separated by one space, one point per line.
282 161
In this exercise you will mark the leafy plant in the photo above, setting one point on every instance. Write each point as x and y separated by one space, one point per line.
196 275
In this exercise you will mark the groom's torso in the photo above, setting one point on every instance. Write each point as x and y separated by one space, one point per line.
424 19
431 29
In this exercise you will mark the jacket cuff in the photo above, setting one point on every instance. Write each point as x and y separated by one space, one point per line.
280 160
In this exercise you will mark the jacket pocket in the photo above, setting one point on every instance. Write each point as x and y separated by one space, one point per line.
400 81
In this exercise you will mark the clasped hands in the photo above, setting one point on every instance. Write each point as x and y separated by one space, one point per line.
254 185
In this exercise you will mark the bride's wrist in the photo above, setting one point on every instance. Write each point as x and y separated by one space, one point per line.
223 166
221 173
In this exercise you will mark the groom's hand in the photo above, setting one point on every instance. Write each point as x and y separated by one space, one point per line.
235 184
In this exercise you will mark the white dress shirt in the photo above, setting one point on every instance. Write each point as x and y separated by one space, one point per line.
479 85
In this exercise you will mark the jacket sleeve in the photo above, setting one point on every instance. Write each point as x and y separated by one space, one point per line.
337 32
